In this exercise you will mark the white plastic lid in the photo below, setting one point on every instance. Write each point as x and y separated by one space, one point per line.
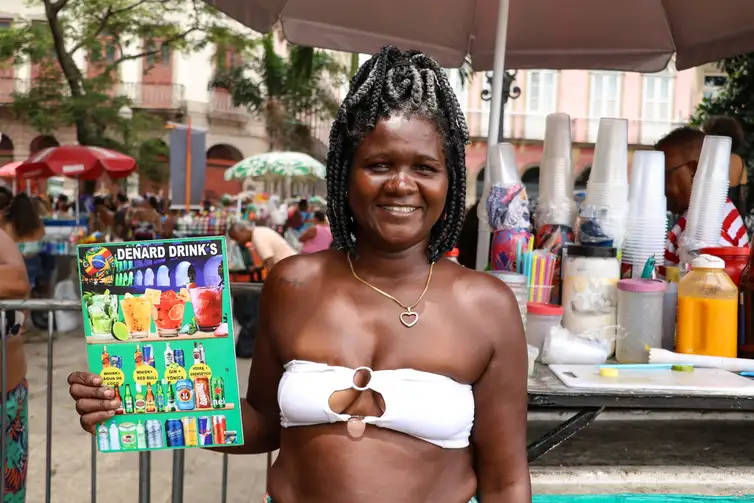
707 262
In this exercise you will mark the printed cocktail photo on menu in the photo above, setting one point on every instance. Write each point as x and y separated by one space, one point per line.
157 331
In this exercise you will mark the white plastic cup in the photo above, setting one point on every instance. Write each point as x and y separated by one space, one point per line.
611 152
647 177
714 160
557 137
501 161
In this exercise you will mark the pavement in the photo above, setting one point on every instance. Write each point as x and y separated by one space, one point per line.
664 453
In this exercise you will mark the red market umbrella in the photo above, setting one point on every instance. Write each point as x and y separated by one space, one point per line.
75 161
9 170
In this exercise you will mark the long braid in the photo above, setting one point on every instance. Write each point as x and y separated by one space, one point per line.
407 83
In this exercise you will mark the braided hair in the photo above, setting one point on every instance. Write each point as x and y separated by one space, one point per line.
395 83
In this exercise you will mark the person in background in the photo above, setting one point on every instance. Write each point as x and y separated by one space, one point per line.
15 285
146 222
682 148
301 217
103 218
62 205
729 126
20 221
271 248
317 237
121 230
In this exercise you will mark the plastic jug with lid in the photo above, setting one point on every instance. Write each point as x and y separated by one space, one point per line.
707 310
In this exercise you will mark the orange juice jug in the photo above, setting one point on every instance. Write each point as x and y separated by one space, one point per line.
707 310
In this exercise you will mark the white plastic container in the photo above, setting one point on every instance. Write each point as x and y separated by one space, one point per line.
517 283
640 307
540 319
590 277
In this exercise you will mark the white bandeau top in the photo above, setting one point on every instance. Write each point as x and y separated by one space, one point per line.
427 406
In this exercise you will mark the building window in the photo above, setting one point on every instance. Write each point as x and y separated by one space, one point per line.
713 84
5 24
657 108
165 53
541 93
604 99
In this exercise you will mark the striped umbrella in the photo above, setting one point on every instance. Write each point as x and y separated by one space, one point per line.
278 165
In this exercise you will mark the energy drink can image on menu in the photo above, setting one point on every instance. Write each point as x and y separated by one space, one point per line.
147 352
218 429
202 393
174 433
205 430
190 433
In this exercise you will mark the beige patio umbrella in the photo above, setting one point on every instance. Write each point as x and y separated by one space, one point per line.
630 35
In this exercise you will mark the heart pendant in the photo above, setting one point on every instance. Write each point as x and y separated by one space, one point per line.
356 428
409 318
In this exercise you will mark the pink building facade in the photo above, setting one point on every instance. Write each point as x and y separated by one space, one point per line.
654 104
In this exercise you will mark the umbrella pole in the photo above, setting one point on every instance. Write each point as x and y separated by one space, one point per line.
76 201
188 165
496 107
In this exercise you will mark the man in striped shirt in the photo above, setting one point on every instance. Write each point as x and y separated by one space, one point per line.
682 148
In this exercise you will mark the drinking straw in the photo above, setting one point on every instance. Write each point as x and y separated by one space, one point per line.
541 277
519 267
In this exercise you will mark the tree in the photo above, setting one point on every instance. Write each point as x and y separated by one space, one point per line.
285 91
735 99
108 33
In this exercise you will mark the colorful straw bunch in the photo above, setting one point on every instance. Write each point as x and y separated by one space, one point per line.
539 268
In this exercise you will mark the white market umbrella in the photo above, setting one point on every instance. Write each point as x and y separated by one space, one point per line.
629 35
277 165
635 35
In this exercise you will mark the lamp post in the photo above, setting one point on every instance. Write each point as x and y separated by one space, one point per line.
126 113
509 92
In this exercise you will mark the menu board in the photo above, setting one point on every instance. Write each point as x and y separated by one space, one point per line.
159 331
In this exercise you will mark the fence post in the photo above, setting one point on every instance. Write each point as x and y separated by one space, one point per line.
224 481
48 440
3 407
145 473
178 464
94 470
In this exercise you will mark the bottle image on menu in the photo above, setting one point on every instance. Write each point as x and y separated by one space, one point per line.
121 408
138 357
169 356
140 403
171 406
105 358
150 402
114 437
159 398
102 438
128 400
141 436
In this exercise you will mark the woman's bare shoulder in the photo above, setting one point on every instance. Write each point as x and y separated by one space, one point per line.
302 274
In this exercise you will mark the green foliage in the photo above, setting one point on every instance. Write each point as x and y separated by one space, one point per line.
285 90
108 33
736 99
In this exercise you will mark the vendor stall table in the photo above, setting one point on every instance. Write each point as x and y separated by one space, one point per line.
547 391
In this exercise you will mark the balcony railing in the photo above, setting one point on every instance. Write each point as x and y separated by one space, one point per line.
154 96
220 103
165 96
532 127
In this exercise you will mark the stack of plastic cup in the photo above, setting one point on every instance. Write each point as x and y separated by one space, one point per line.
709 192
556 205
607 189
646 231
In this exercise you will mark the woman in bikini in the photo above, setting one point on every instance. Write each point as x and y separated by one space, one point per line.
406 381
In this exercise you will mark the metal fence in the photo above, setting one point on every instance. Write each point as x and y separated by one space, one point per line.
145 470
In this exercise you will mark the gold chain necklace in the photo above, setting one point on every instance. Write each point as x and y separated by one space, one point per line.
409 318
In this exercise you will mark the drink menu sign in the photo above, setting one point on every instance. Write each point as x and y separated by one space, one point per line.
159 331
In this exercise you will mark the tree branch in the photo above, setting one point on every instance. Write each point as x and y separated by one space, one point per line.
57 6
130 7
100 28
144 54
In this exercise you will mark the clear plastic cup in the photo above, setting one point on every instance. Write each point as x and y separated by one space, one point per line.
611 152
647 177
501 161
557 137
714 160
555 178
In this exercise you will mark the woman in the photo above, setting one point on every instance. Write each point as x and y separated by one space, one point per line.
146 221
19 220
385 299
317 237
103 218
